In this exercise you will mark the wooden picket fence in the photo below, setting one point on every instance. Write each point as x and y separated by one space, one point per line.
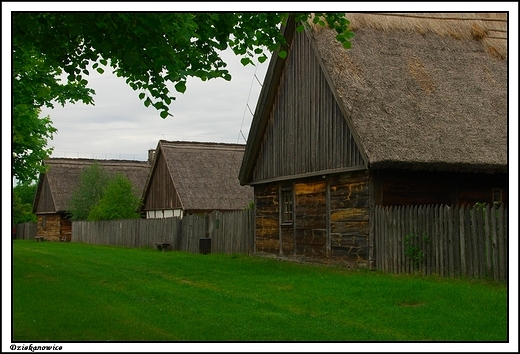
24 231
230 232
444 240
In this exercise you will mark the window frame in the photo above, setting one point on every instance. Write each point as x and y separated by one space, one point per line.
286 207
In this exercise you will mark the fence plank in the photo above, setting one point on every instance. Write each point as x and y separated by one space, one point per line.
453 239
480 242
487 240
469 242
462 229
456 240
501 243
25 231
232 236
494 243
428 234
450 244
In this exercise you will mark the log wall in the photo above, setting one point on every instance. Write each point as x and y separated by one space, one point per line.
330 219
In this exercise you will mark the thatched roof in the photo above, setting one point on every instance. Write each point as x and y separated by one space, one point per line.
418 91
424 92
205 175
64 176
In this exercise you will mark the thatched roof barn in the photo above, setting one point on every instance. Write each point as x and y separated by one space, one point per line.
195 177
414 113
57 185
424 91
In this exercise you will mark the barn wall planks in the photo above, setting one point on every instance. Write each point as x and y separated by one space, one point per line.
45 202
349 218
161 193
310 218
306 131
330 219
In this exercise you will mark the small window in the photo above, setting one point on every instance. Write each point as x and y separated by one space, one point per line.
497 195
287 206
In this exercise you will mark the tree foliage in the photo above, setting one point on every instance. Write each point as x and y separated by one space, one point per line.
36 83
118 202
154 52
23 199
91 189
103 196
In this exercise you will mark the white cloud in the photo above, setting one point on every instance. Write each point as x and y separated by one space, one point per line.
120 126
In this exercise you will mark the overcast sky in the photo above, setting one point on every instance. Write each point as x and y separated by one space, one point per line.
119 126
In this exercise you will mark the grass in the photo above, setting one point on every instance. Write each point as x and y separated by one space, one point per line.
78 292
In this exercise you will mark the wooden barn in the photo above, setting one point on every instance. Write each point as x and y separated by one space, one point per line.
414 113
57 185
195 177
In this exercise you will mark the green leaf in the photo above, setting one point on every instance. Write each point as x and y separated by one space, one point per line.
282 54
141 95
100 70
300 28
181 86
246 61
347 45
262 59
164 114
349 35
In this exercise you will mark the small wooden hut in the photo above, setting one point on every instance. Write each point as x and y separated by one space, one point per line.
57 185
414 113
195 177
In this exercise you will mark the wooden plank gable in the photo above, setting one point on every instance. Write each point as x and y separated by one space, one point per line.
161 192
306 133
44 201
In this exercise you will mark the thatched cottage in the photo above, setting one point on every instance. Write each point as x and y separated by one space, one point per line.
57 185
194 177
414 113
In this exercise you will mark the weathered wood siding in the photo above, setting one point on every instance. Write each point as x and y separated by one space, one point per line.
161 193
349 218
45 204
330 219
397 187
310 217
267 219
306 131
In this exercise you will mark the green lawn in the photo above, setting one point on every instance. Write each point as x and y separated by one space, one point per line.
78 292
